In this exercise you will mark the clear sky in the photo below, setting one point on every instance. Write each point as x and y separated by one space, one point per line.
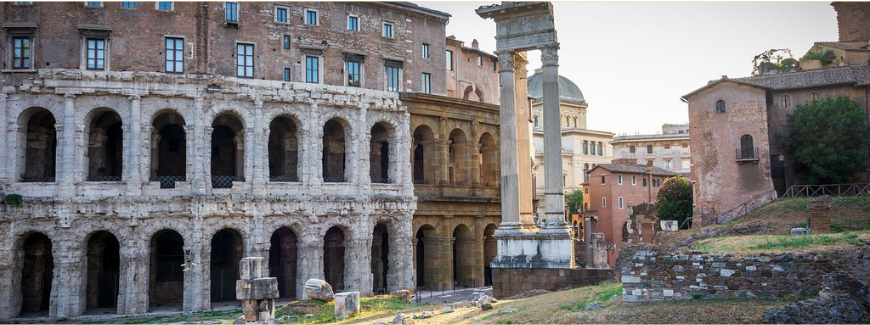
634 60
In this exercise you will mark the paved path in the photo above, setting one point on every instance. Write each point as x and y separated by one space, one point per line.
426 297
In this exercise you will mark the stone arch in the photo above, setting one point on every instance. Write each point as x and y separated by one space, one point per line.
168 148
103 271
283 256
488 160
38 134
227 248
380 263
334 243
424 155
467 92
382 157
227 149
490 251
37 274
284 149
459 156
105 145
335 158
426 257
166 277
463 256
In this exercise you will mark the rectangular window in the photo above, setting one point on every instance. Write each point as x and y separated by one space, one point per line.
425 51
281 15
232 12
603 202
631 149
449 60
94 4
585 147
427 83
649 149
164 5
392 78
23 3
174 55
619 179
21 53
668 164
245 60
495 67
286 74
353 23
310 17
286 42
602 179
128 5
633 180
685 144
388 30
667 146
96 54
601 149
312 69
620 202
353 73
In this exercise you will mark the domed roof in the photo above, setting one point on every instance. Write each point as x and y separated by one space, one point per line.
568 91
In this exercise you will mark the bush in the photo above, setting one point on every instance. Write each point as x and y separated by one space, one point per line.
674 200
826 56
574 201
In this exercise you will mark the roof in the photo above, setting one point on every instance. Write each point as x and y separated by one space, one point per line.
848 46
633 169
848 75
421 8
568 90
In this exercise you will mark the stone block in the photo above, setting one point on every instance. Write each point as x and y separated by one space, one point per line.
630 279
319 289
257 289
252 268
346 305
668 293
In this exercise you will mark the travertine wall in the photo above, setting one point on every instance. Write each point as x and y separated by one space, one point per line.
852 21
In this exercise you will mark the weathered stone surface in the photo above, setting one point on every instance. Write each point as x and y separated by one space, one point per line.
319 289
404 295
260 288
844 300
346 305
486 307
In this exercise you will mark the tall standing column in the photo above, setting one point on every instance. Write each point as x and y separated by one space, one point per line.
510 197
524 140
552 141
134 181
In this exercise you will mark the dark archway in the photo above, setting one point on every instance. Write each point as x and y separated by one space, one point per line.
333 257
490 251
426 257
104 266
41 148
227 249
458 158
283 256
463 257
283 150
380 258
166 275
168 150
424 155
379 162
488 160
37 272
105 147
227 151
334 152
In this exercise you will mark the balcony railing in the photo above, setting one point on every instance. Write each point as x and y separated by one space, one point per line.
283 178
747 154
340 179
168 181
382 181
103 179
222 181
37 179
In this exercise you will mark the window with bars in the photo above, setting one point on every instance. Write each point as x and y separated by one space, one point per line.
281 15
21 53
310 17
164 5
128 5
231 12
312 69
425 51
388 30
174 55
392 78
286 42
96 52
245 60
353 23
286 74
353 73
427 83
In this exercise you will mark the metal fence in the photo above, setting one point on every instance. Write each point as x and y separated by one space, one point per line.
168 181
283 178
49 179
340 179
222 181
382 181
103 179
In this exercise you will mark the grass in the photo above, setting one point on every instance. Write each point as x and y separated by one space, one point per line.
324 312
602 296
782 243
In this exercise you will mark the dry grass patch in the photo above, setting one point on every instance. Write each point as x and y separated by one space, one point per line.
772 244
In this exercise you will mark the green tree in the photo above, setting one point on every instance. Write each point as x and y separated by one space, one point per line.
574 201
828 140
674 200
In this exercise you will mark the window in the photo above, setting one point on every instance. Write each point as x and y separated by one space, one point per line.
495 67
96 54
575 122
164 5
427 83
600 148
286 74
644 182
281 14
720 106
585 147
633 180
747 151
23 3
231 12
449 60
94 4
536 121
685 144
619 179
602 179
667 146
353 23
21 53
631 149
586 190
814 96
174 55
286 42
480 60
604 202
567 121
353 73
310 17
784 101
245 60
312 69
656 182
128 5
425 51
649 149
392 78
667 164
388 30
620 202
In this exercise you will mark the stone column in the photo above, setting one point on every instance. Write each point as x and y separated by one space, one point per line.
199 182
191 152
405 175
8 156
244 140
442 175
134 277
67 294
524 140
357 259
510 189
310 264
552 141
66 169
259 157
134 134
402 244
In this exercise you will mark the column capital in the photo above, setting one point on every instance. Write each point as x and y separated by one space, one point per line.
134 97
550 55
69 96
505 61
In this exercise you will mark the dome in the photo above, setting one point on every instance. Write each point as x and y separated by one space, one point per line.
568 91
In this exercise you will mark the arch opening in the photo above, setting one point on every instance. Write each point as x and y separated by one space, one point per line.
426 257
168 150
227 151
283 150
40 156
458 158
37 272
105 147
333 257
379 169
283 256
488 160
104 267
463 258
380 263
227 249
490 251
424 155
334 152
166 275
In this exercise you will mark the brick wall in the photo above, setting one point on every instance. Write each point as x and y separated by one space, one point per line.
511 282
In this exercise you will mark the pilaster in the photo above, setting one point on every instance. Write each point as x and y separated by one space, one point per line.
7 157
67 166
133 132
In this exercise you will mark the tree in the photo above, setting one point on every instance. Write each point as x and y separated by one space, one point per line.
574 201
772 60
674 200
828 140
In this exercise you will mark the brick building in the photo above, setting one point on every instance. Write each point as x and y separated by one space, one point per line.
471 73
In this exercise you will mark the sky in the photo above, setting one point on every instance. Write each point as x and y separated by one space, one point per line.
634 60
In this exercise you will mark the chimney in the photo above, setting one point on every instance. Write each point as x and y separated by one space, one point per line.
474 44
649 167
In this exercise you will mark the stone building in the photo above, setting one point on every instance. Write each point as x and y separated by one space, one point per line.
737 125
209 131
471 73
582 148
668 150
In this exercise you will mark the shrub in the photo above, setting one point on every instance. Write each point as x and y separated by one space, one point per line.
674 200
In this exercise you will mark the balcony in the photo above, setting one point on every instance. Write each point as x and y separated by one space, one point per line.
747 155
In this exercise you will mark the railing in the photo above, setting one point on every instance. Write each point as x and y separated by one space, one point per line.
340 179
419 181
857 189
382 180
168 181
222 181
283 178
103 179
746 153
37 179
741 210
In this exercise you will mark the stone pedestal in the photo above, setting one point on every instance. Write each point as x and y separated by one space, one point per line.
257 293
346 305
598 258
819 220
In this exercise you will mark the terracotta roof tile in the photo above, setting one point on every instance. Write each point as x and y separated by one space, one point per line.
634 169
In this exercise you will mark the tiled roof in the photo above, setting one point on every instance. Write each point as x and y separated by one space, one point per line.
849 46
634 169
849 75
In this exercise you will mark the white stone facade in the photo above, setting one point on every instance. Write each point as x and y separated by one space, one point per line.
70 209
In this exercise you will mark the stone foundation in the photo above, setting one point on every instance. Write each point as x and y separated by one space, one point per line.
511 282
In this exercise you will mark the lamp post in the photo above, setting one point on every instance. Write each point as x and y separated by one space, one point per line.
186 267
